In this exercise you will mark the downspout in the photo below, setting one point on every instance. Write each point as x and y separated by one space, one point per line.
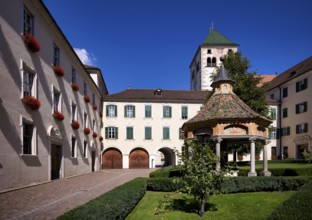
280 122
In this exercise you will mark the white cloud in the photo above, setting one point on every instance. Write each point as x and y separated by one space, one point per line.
85 57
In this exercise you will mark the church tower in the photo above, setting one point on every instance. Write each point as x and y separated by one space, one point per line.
207 58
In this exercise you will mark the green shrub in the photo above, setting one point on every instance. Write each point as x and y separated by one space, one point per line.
281 172
115 204
170 171
237 184
298 206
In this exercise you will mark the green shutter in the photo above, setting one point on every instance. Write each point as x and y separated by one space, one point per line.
106 132
107 110
133 111
125 111
164 111
170 111
116 133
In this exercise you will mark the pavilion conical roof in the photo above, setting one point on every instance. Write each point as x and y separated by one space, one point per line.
217 39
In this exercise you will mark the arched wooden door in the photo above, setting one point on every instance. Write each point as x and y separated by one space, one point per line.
138 159
112 159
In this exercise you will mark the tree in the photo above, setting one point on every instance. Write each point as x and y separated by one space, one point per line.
246 83
200 177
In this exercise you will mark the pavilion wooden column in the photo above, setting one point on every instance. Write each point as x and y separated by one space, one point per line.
218 153
265 171
252 171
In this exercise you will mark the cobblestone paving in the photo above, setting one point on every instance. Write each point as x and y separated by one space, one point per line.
50 200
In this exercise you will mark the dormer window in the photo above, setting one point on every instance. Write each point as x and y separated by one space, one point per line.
158 92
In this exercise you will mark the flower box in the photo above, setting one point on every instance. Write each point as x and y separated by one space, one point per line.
101 138
86 131
75 86
31 42
86 98
58 70
32 102
94 107
94 134
58 115
75 124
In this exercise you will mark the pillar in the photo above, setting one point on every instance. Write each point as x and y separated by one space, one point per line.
265 171
125 161
152 160
218 153
252 171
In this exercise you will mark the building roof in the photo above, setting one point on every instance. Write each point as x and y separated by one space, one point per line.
158 96
293 72
266 79
214 38
222 77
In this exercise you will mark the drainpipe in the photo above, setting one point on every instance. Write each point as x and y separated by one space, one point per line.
280 122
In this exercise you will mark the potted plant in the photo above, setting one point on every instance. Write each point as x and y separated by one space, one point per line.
75 124
94 135
86 131
75 86
58 115
58 70
31 42
101 138
86 98
32 102
94 107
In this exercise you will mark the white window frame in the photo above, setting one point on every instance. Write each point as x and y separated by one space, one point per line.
112 110
56 55
31 24
25 69
73 149
59 104
34 150
85 119
93 125
74 113
130 111
112 132
182 107
166 111
166 127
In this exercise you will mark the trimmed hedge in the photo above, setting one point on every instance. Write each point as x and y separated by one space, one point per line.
237 184
115 204
281 171
298 206
170 171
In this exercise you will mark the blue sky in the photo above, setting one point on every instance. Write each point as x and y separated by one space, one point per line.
150 43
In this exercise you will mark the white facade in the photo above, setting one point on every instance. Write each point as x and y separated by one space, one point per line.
35 146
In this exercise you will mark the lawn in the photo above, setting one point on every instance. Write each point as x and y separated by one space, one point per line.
161 205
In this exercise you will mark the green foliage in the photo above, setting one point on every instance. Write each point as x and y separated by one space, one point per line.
298 206
307 156
170 171
115 204
164 184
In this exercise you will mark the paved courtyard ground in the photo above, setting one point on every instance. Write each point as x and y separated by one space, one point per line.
49 200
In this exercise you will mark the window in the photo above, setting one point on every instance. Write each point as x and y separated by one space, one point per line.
148 133
181 134
285 152
148 111
74 115
111 111
28 22
93 99
272 133
209 51
209 64
214 62
285 92
302 128
184 111
273 153
166 133
85 120
129 133
85 149
167 111
93 125
57 107
285 112
85 89
301 85
301 107
73 75
129 111
273 113
73 147
28 138
285 131
272 96
56 55
111 133
29 79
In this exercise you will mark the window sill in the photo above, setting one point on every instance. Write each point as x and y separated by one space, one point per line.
29 155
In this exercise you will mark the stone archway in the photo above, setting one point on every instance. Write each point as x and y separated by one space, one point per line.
167 157
138 158
111 159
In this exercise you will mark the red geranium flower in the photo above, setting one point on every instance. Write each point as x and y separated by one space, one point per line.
75 86
101 138
86 131
32 102
58 70
101 114
31 42
75 124
58 115
94 134
86 98
94 107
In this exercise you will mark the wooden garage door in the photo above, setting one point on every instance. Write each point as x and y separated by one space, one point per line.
112 159
138 159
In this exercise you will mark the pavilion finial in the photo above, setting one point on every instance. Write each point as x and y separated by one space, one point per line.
211 27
